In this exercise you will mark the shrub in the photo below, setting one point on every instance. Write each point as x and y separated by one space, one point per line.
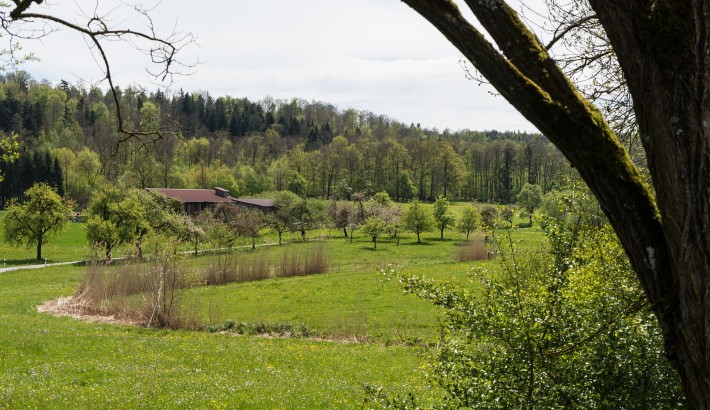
564 327
489 217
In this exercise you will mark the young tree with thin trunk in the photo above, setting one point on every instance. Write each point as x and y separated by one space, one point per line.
662 49
42 215
470 221
417 219
341 214
373 227
281 218
248 223
441 213
530 198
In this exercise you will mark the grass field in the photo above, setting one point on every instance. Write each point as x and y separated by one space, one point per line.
60 362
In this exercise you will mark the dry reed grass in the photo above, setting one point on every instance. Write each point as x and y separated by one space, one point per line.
149 294
473 250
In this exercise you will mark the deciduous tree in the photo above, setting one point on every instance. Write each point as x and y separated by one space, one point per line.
441 213
417 219
530 197
373 227
281 218
42 214
114 218
470 220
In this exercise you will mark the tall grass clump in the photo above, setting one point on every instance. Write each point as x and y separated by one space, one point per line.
240 268
245 268
147 294
310 262
473 250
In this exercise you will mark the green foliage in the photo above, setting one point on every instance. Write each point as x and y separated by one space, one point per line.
252 182
343 190
282 218
507 214
253 146
382 198
307 215
407 189
42 215
443 218
489 217
564 327
373 227
9 149
248 223
530 198
470 221
297 184
115 218
416 219
150 117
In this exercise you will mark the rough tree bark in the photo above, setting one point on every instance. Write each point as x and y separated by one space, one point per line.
663 49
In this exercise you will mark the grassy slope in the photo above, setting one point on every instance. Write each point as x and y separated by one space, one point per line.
50 362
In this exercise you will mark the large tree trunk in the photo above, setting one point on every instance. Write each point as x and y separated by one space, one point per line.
663 49
666 60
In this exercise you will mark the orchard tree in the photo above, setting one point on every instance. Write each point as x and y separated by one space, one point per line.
42 215
249 223
307 215
470 221
441 213
114 218
373 227
281 218
188 231
163 216
341 214
417 219
530 198
489 217
662 50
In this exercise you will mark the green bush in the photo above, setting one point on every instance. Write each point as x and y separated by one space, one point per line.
566 326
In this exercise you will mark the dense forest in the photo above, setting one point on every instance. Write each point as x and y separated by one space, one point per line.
68 139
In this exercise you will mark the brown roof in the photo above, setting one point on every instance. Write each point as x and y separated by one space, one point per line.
263 203
193 195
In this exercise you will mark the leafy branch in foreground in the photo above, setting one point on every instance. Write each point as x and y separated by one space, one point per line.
564 326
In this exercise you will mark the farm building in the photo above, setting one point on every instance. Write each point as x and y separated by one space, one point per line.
196 200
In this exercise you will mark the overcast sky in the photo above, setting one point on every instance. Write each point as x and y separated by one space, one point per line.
375 55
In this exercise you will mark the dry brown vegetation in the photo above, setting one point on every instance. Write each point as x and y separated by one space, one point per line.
148 294
473 250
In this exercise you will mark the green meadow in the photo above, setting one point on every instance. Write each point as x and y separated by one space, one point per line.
365 331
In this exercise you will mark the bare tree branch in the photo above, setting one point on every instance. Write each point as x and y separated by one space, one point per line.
162 50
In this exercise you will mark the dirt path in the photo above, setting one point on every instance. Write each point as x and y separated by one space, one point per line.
38 266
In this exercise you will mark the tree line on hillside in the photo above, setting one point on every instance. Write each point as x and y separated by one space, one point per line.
248 147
